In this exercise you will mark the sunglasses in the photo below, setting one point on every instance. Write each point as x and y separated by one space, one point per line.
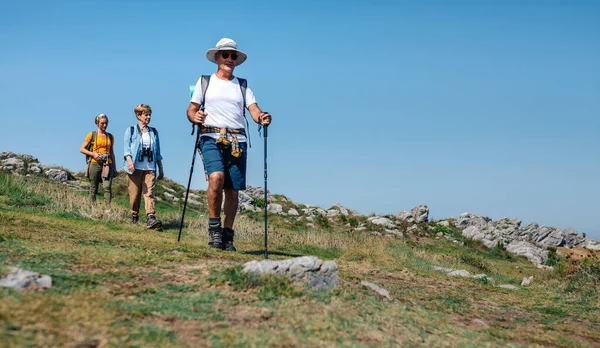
226 55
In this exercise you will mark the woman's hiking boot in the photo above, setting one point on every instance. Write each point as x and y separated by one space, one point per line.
228 234
215 233
134 220
153 223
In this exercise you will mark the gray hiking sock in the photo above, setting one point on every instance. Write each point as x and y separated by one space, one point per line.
214 222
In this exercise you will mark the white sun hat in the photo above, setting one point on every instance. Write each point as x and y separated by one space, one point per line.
226 44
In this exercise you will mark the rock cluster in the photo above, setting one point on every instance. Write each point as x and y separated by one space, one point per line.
530 241
20 164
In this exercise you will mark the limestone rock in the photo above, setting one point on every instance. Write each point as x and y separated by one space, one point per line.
381 291
309 269
274 208
527 281
417 214
57 174
530 251
21 279
378 220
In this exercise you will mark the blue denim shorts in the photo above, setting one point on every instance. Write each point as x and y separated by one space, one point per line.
220 160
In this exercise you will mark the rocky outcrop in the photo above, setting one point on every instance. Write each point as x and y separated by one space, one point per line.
417 214
505 231
20 164
310 270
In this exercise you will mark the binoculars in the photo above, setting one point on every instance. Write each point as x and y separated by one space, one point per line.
146 152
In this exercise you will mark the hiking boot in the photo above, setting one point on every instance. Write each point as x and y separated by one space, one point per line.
134 220
215 237
153 223
228 234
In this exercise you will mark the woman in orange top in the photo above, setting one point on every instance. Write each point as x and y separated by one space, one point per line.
101 159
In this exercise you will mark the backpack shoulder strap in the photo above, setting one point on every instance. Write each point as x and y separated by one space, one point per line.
130 133
112 139
204 84
243 87
93 142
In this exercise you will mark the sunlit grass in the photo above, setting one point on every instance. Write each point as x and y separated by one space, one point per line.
119 285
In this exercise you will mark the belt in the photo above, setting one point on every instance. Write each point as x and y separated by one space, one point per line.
222 141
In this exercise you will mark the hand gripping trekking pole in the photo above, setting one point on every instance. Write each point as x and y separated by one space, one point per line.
265 207
187 192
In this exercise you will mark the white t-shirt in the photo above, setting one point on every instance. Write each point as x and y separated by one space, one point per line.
145 146
224 104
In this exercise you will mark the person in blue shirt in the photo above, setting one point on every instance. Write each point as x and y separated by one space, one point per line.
142 158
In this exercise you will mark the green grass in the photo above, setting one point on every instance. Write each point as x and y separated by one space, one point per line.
118 285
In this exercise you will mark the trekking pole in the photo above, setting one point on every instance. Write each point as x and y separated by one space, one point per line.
265 137
187 192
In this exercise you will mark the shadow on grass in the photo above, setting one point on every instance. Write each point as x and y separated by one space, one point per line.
277 253
171 225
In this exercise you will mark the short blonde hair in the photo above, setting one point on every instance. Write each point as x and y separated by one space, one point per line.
141 109
100 116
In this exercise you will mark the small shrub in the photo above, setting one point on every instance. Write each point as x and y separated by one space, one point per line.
322 221
586 275
258 202
475 261
475 244
553 258
343 218
499 252
234 277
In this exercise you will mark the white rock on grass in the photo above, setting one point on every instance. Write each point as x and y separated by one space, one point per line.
378 220
21 279
460 273
309 269
527 281
381 291
274 208
170 197
442 269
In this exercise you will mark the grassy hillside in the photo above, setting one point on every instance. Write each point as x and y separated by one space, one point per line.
118 285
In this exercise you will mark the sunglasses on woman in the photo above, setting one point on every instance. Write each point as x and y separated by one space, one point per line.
226 55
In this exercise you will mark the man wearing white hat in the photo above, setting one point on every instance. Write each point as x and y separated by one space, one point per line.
223 140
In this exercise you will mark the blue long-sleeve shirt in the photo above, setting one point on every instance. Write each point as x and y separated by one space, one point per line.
133 140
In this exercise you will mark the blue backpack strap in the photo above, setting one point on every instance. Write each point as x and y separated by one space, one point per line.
243 87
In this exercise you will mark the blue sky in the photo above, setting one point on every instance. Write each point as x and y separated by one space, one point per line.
489 107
